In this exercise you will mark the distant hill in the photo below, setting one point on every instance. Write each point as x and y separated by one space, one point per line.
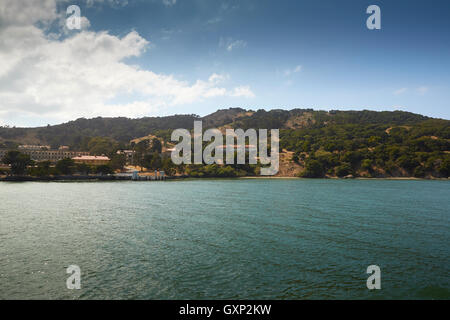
124 129
313 143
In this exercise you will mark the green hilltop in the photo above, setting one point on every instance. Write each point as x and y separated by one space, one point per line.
318 143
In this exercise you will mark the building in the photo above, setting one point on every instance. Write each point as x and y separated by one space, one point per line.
47 155
33 147
92 160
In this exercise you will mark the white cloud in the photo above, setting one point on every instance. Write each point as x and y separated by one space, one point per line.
169 3
228 7
236 44
422 90
289 72
84 74
115 3
243 91
229 44
214 20
26 12
400 91
218 78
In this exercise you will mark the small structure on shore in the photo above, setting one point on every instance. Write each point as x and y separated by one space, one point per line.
95 160
158 175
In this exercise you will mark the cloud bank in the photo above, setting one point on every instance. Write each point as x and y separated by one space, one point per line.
65 75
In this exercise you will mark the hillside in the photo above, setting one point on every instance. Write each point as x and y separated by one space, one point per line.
315 143
124 129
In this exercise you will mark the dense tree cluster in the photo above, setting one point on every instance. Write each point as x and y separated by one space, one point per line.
221 171
334 143
18 161
121 130
21 164
372 150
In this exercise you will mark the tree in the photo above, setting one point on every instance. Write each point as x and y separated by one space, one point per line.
152 161
343 170
147 161
157 162
65 166
18 162
366 164
313 169
156 146
104 169
118 161
444 168
419 172
82 168
373 141
100 145
140 150
43 169
168 166
407 162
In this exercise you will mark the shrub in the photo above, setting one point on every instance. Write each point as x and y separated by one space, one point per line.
313 170
444 169
343 170
366 164
419 172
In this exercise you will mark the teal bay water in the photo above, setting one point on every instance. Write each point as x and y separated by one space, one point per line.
225 239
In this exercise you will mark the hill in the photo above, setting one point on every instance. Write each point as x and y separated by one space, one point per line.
315 143
124 129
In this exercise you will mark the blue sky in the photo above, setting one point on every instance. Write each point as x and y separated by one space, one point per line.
283 54
343 64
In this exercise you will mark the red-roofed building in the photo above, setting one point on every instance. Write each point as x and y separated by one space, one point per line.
94 160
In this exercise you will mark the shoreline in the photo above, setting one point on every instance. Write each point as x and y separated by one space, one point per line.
172 178
336 178
96 178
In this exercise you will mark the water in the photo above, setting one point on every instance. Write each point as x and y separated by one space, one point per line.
225 239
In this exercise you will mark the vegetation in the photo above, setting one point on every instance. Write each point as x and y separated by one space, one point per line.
18 162
314 169
65 166
372 150
21 165
218 171
118 161
335 143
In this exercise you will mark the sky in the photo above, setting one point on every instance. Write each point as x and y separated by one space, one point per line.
139 58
